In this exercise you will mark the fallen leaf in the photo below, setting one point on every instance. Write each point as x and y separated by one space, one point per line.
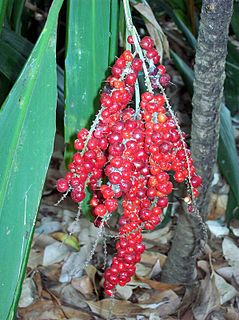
29 293
73 267
217 229
42 240
91 273
55 252
35 258
234 226
154 28
116 308
226 291
70 295
51 272
72 314
142 270
84 286
151 257
230 252
163 303
42 310
208 296
156 285
49 227
69 240
231 314
156 270
124 292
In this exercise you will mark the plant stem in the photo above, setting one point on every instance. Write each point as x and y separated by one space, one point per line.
132 30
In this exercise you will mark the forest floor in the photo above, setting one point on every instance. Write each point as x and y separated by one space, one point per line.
57 287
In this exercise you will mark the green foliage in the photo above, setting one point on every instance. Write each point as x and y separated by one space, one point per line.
228 161
27 126
235 19
90 47
231 90
3 8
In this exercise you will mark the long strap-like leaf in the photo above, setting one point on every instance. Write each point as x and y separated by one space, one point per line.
27 128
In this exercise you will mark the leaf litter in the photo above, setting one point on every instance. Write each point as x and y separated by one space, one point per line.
61 282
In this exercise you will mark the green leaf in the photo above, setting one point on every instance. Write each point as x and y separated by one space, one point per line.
114 27
87 58
178 17
17 42
17 13
231 91
185 71
232 210
14 50
27 126
5 86
11 61
235 19
3 7
227 153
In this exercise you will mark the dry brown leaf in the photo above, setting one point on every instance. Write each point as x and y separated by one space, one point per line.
77 314
42 310
35 258
42 240
151 257
29 293
232 314
142 270
117 308
156 285
36 276
208 296
55 252
154 28
84 286
70 295
156 270
226 291
163 303
230 252
91 272
125 292
51 272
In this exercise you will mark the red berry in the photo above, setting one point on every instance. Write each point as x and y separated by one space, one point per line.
100 210
62 185
130 40
147 43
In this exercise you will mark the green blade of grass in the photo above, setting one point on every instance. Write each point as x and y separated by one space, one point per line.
27 126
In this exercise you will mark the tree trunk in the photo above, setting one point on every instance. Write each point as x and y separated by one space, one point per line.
208 92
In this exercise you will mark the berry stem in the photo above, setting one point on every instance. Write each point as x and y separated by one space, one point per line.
92 129
132 30
181 138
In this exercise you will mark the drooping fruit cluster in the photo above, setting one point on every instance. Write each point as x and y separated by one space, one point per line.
130 155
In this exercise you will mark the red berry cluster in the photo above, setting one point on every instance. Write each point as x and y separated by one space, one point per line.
131 155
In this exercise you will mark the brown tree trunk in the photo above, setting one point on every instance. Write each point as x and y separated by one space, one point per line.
208 93
208 90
